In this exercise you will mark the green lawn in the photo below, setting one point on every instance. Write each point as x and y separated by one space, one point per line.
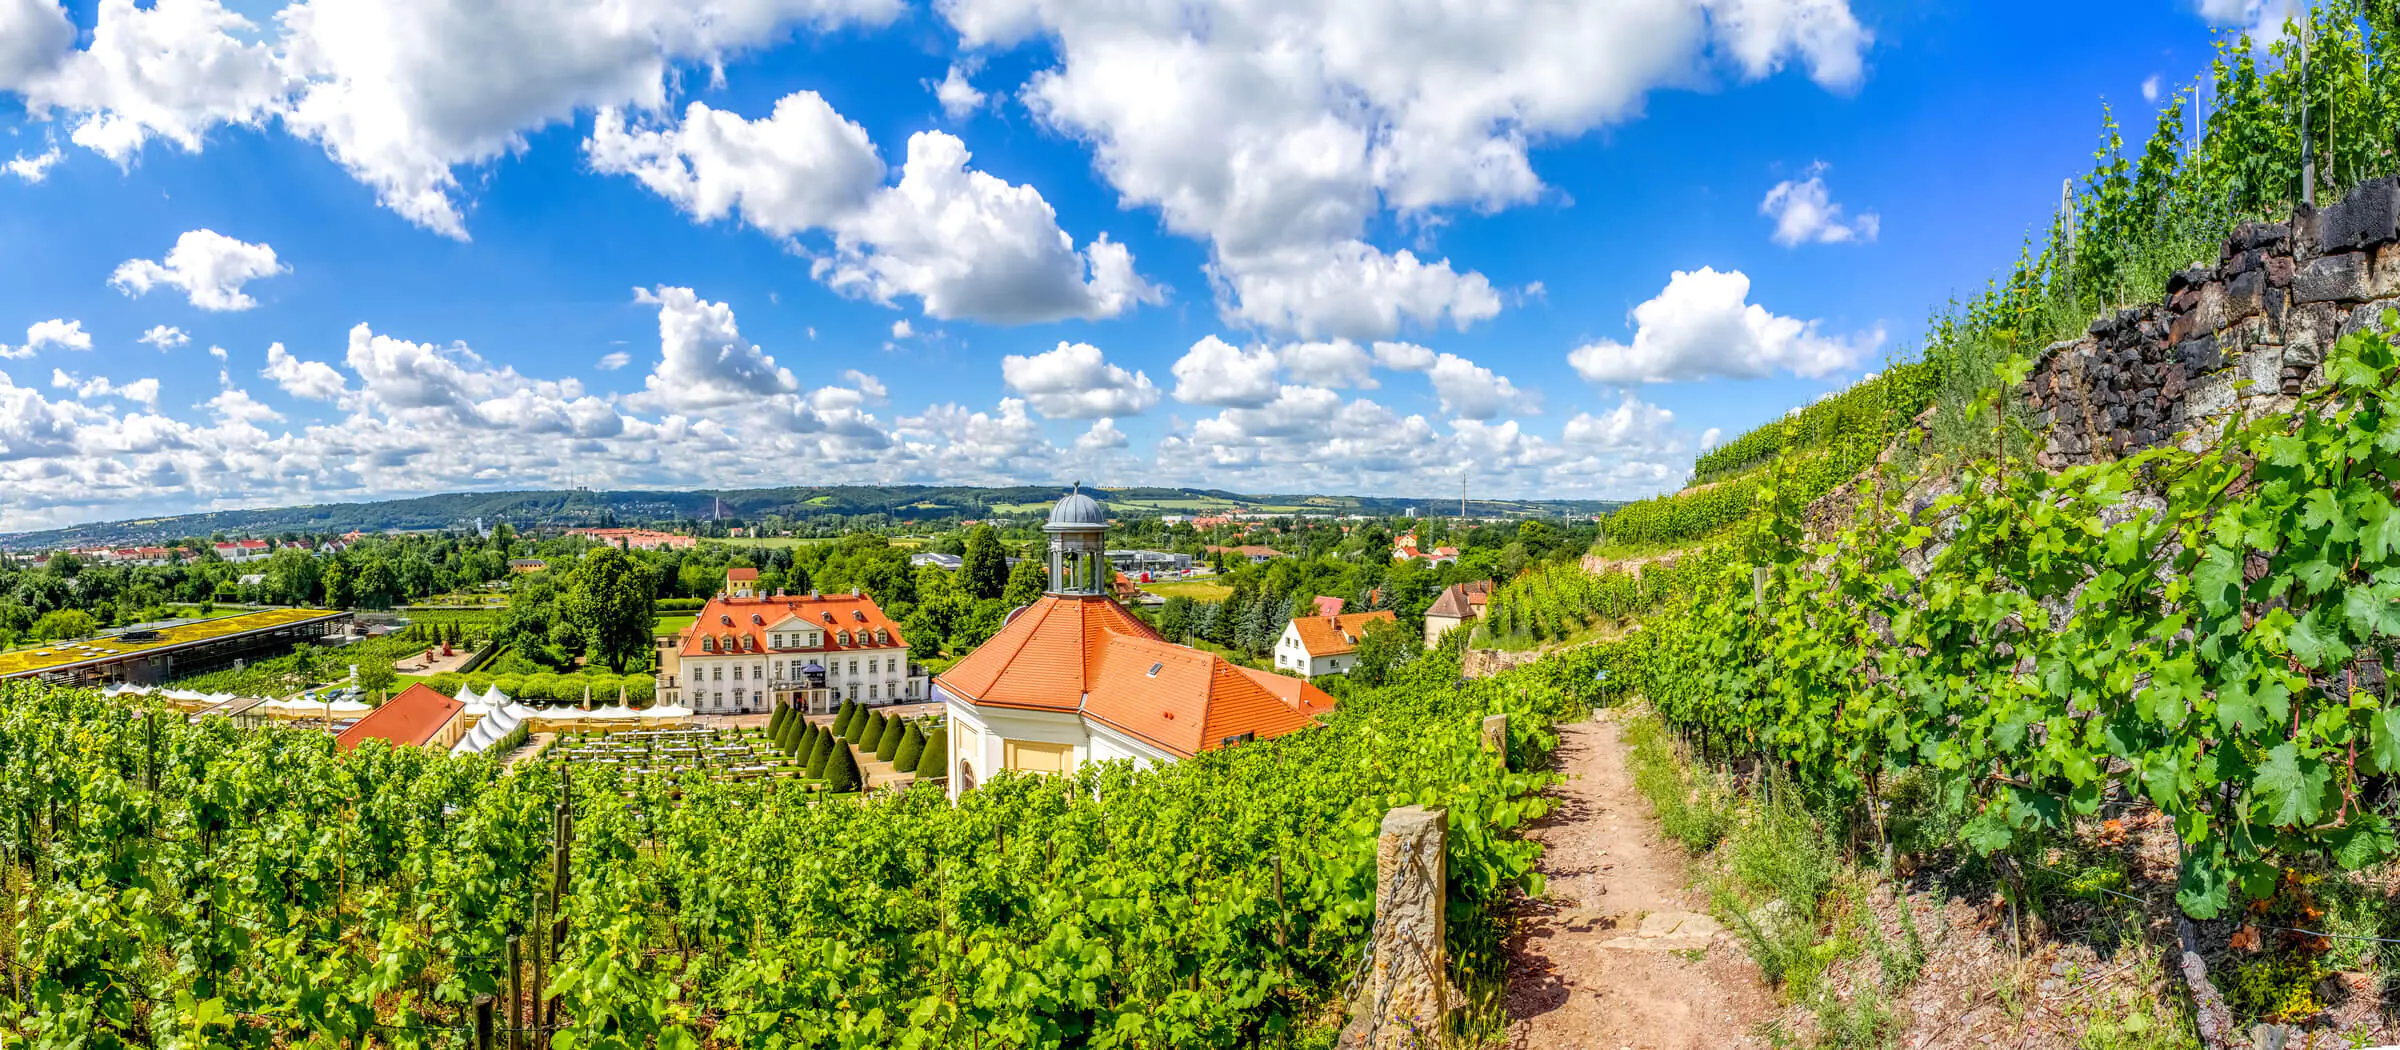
668 625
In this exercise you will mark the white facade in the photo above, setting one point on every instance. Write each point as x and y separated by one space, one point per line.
986 740
1291 654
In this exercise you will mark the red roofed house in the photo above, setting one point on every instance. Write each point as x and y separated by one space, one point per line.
1458 604
746 652
1315 645
1405 549
1075 678
741 583
418 717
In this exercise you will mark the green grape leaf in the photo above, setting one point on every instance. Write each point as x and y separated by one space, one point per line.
2324 510
2203 888
2383 740
2364 840
2316 644
2241 707
2291 785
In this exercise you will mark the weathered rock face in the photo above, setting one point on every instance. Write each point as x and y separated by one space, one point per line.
2249 333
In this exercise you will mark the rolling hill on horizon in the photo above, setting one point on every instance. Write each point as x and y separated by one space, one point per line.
566 508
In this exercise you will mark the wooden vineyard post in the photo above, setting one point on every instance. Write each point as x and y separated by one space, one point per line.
483 1022
1758 586
516 995
540 971
1406 998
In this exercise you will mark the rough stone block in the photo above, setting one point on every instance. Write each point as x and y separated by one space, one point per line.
2280 269
2185 279
2367 217
1406 998
2258 235
2365 316
2208 312
2332 278
2245 296
2261 367
2199 355
2210 397
2383 272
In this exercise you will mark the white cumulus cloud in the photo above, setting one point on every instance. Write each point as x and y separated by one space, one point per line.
1215 372
1470 391
957 95
1805 212
312 380
209 267
1073 381
1703 325
1280 132
34 168
55 332
165 337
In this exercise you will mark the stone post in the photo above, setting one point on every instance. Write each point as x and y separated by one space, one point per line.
1495 735
1405 1000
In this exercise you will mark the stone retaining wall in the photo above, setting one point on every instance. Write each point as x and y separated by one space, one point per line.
2249 332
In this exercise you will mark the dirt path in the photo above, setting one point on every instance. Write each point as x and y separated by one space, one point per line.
1622 955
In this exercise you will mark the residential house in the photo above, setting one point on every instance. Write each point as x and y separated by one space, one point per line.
1458 604
936 559
1254 552
1318 645
1405 549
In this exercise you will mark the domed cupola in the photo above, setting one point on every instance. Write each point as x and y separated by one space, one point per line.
1078 532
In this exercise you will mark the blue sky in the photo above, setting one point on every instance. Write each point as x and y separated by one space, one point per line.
401 246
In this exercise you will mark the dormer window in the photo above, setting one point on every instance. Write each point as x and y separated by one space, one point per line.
708 645
859 615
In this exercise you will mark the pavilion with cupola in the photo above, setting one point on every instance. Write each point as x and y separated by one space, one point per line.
1075 677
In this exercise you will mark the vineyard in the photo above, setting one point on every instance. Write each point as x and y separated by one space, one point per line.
1824 445
1868 412
202 885
2221 657
1553 602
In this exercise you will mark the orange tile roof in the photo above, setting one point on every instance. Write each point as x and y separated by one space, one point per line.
410 719
1335 635
748 621
1089 655
741 575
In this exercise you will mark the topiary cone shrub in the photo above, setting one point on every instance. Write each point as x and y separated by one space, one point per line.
841 771
818 751
934 763
841 719
889 747
912 748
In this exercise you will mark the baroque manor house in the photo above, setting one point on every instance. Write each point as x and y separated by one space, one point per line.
1075 678
746 652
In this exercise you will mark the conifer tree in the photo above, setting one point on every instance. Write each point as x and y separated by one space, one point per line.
889 747
841 772
912 748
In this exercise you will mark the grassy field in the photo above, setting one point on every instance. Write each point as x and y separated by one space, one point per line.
1197 590
672 624
771 542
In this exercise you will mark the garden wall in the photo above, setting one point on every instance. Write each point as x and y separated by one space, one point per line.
2249 332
